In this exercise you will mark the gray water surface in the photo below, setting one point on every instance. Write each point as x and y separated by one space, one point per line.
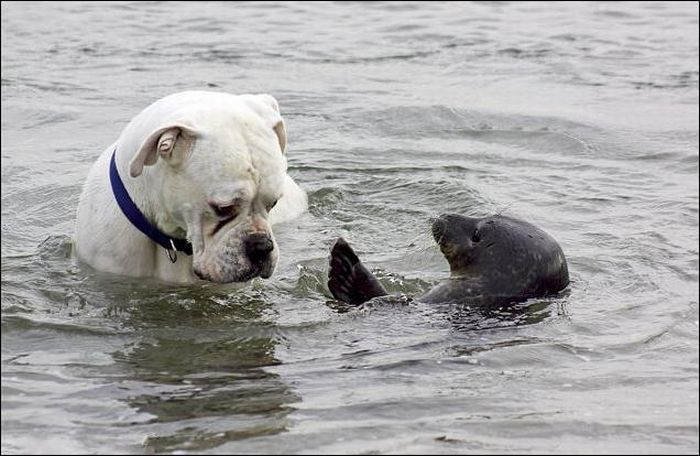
581 118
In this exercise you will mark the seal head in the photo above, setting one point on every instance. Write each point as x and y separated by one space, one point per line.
497 257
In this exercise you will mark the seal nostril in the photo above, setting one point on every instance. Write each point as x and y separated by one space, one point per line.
476 236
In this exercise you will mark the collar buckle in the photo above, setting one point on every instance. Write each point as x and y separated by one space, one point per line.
171 254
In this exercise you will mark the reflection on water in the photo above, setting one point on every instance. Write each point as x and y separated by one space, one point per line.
197 353
527 313
186 384
205 382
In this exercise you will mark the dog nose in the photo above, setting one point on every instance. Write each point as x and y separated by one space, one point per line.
258 247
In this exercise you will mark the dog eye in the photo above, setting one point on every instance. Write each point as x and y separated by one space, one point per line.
227 211
271 205
476 237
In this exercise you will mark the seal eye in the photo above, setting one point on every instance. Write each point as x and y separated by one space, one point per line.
476 236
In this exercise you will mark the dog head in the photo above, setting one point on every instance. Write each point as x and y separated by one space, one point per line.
214 169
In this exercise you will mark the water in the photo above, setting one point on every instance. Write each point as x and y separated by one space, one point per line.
581 118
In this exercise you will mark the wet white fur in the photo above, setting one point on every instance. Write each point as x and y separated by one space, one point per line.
229 147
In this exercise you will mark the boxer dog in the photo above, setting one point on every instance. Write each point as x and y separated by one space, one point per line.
189 190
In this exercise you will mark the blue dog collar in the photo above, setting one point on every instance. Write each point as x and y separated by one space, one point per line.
132 212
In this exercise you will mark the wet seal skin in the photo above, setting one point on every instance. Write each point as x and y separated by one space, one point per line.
494 261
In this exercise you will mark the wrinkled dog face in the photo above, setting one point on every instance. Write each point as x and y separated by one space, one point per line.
224 171
236 243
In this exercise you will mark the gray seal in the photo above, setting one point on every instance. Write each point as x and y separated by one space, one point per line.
493 260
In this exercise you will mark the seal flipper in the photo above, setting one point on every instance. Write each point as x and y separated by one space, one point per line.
348 279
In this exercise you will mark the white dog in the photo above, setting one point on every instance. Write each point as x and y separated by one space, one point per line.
189 189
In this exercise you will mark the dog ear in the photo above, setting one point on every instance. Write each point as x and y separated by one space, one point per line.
267 107
281 132
172 143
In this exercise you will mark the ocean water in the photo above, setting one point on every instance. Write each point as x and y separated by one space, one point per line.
581 118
